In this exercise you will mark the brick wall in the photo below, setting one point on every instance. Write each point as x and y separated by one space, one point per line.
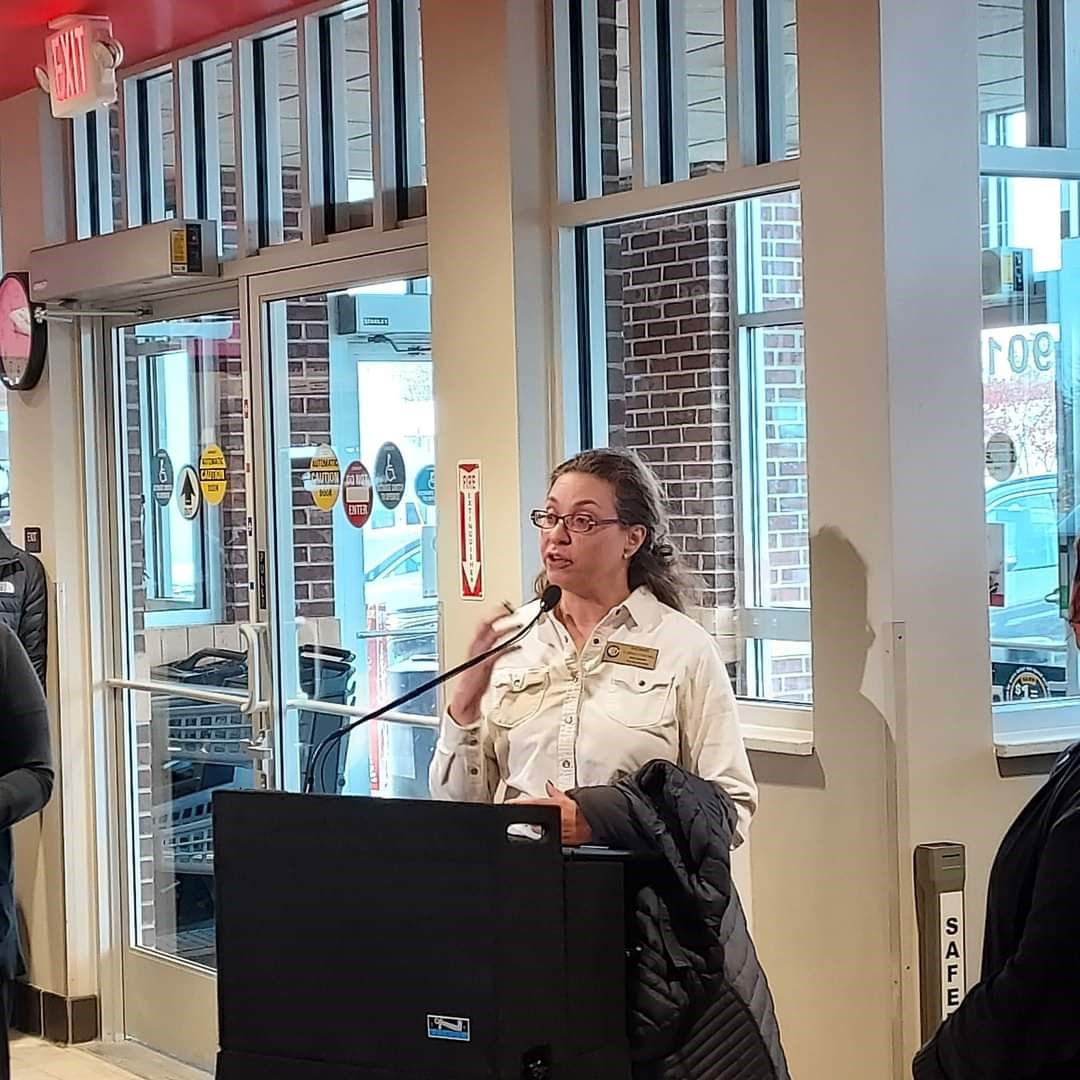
669 379
668 323
308 332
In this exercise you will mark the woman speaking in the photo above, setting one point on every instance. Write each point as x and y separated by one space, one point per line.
616 677
616 708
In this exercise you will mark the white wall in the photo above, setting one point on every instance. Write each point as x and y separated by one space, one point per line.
903 735
53 852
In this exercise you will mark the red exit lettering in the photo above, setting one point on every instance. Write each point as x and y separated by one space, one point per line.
69 63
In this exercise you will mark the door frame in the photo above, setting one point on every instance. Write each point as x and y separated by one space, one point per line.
401 263
167 1002
179 1023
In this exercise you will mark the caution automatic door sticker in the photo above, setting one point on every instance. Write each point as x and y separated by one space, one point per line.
212 477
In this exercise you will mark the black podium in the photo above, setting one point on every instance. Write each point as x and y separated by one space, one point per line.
368 939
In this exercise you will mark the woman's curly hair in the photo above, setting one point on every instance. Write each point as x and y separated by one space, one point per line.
639 500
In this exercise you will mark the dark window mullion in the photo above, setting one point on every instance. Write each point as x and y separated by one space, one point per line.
665 96
762 95
262 187
577 99
584 337
201 134
142 110
93 173
1044 74
401 106
326 94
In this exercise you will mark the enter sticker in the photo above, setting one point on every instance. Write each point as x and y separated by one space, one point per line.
631 655
356 491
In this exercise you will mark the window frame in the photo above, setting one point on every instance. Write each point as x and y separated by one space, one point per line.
201 142
398 218
158 612
206 606
769 724
1052 54
755 81
145 169
91 138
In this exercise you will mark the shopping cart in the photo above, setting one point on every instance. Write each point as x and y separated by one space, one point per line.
200 747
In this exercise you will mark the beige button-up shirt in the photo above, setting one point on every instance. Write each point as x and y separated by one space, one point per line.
649 684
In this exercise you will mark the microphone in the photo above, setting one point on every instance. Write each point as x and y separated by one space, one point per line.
548 602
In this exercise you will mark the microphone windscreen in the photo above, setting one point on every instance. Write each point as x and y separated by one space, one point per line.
550 600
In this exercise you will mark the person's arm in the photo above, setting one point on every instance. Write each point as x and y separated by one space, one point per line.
1025 1020
464 768
711 739
34 621
24 735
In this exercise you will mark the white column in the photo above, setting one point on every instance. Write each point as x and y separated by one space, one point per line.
54 852
904 750
487 99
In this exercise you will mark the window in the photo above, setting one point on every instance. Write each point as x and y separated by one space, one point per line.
1001 72
277 139
345 95
1027 73
212 188
152 149
646 93
237 133
403 87
175 555
179 383
696 328
1031 264
786 81
703 83
98 172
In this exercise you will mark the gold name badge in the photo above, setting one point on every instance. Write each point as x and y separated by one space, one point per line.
631 655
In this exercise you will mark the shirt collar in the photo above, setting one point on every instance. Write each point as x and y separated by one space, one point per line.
640 610
642 607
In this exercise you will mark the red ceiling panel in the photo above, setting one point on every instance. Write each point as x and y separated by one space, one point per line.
146 28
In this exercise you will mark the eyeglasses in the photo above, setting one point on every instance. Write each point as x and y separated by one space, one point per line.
546 520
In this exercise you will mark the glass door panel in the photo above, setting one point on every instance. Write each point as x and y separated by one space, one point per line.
188 663
352 432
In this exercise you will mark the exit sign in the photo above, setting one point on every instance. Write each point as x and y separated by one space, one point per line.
81 58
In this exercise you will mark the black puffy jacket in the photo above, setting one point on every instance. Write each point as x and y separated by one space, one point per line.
26 776
700 1005
1022 1021
24 602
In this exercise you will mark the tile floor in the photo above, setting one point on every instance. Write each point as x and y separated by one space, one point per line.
35 1060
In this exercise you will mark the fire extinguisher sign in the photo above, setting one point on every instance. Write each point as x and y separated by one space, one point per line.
469 530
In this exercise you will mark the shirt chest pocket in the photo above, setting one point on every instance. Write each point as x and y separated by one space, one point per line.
519 695
641 699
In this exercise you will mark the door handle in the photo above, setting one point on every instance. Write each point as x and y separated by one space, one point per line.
258 747
251 634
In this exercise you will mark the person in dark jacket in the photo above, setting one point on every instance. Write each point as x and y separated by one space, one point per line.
1022 1021
700 1005
24 602
26 780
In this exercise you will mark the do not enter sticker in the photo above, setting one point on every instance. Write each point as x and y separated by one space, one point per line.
324 478
356 493
212 478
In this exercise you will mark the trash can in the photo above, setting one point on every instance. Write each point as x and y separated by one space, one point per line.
326 674
412 748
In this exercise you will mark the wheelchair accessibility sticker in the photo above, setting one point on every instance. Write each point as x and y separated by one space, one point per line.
454 1028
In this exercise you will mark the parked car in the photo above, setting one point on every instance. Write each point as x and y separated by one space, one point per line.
1028 635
